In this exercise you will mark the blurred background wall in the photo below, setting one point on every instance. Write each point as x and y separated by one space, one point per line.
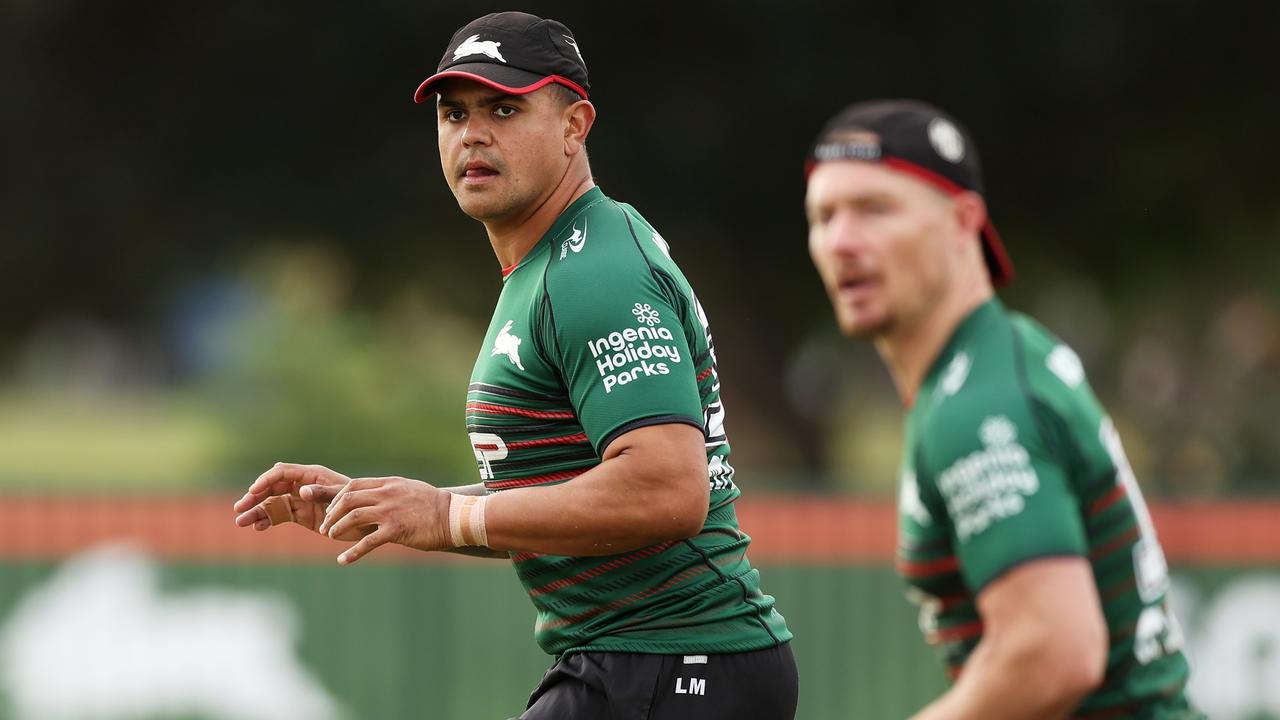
225 241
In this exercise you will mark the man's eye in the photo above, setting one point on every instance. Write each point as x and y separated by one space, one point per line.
819 217
453 115
504 111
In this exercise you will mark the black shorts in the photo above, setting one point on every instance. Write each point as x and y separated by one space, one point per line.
761 685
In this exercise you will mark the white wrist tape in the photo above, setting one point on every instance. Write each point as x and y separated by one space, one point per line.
466 521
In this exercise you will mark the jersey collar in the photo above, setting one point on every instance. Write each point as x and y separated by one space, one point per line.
588 198
575 208
981 317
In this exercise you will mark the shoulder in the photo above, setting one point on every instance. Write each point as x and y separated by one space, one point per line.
1052 367
1022 384
605 249
987 409
980 448
1015 365
982 400
1055 377
603 233
606 273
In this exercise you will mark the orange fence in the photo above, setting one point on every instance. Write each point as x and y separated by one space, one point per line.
785 529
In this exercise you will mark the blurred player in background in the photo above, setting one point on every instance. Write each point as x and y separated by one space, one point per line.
594 413
1022 532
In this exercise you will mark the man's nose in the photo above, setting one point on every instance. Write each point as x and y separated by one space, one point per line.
476 132
844 234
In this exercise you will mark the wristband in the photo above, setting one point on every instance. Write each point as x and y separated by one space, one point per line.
466 521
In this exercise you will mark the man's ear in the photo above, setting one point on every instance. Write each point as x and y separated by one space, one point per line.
971 212
579 117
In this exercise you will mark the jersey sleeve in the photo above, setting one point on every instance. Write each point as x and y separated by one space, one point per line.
616 332
1006 493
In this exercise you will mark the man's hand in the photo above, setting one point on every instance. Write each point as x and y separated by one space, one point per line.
404 511
285 493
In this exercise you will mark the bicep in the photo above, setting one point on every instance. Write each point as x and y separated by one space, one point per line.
673 445
1048 612
1058 594
665 467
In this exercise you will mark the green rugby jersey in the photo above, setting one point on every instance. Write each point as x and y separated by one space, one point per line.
1009 457
596 333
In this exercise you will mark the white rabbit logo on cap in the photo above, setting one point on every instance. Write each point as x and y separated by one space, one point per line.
946 139
475 46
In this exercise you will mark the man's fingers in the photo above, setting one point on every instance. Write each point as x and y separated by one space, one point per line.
339 505
338 496
319 493
381 536
245 503
275 510
354 525
253 516
344 502
280 479
283 478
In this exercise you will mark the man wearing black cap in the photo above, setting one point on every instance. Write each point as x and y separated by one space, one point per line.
594 413
1022 532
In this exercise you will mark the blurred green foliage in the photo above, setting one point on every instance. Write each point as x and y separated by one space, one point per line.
299 377
365 394
108 442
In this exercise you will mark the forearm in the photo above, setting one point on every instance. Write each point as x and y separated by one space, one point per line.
651 487
615 507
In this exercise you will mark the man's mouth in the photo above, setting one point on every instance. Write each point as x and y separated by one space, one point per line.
476 172
852 287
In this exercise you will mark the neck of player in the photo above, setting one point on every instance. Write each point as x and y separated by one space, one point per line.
513 237
910 348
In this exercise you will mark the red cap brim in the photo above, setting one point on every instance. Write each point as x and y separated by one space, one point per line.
507 79
999 266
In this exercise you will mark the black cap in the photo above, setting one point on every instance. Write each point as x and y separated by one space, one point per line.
513 52
916 138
